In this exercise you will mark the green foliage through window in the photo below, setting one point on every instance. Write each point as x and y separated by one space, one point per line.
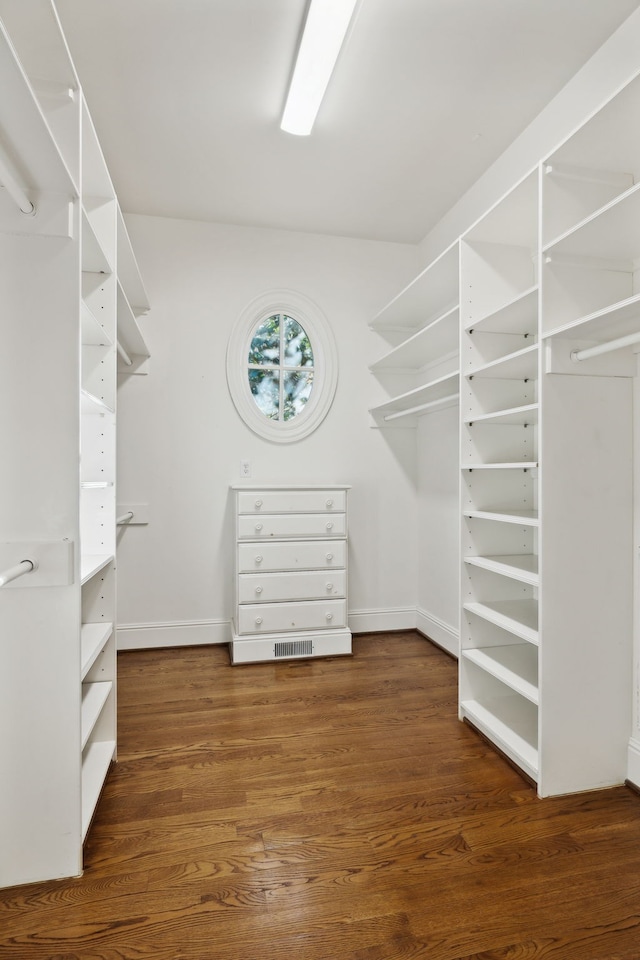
280 367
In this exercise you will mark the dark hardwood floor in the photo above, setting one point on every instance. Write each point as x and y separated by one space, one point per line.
328 809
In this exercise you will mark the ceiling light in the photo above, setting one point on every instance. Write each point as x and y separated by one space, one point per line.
324 33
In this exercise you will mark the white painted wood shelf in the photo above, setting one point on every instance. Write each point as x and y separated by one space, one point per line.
94 697
523 567
513 729
515 665
520 365
96 760
528 518
408 406
518 617
439 338
518 416
519 315
422 323
93 638
611 233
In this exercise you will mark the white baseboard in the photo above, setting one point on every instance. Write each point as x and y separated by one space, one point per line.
442 633
188 633
378 621
633 762
141 636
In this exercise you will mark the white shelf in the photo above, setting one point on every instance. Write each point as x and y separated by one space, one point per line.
93 405
96 761
520 365
129 333
519 617
611 233
522 517
128 271
527 414
512 221
412 403
94 257
431 293
518 465
518 316
436 340
522 567
510 725
31 136
515 665
93 333
93 638
94 697
92 564
613 321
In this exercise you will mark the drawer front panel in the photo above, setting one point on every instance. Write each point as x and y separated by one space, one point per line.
307 585
296 555
282 617
292 501
292 525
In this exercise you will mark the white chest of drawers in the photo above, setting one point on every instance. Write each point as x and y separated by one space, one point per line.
291 573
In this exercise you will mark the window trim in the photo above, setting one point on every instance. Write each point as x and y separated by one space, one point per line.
325 365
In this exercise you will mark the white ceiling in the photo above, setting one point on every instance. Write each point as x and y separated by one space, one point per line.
186 96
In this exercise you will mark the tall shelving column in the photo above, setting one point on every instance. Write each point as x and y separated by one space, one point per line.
40 694
420 370
59 288
98 469
499 487
590 296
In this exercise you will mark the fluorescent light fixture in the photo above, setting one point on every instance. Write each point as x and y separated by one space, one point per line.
323 36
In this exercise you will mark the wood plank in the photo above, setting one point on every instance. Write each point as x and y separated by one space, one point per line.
328 808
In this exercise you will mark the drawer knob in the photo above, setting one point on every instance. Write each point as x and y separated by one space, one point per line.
258 620
329 503
329 556
329 616
329 586
330 525
258 504
258 559
258 527
258 589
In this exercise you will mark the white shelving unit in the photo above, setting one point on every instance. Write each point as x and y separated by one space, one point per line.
547 459
499 403
61 292
589 285
421 324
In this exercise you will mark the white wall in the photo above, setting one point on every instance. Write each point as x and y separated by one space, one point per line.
438 527
181 440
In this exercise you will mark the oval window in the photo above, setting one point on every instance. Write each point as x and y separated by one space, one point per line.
282 366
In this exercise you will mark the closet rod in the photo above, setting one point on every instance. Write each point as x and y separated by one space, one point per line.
123 353
628 341
125 518
25 566
13 189
421 408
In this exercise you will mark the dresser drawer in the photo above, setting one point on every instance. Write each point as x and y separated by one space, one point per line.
292 501
296 555
281 617
292 525
306 585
